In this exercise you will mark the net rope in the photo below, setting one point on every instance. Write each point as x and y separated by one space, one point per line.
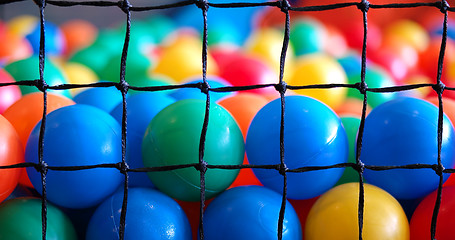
202 166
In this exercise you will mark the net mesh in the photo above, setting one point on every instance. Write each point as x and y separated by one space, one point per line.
280 86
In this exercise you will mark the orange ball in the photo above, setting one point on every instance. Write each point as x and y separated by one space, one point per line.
243 107
13 48
25 113
78 34
11 152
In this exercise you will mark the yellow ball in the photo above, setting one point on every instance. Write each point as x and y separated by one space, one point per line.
407 32
78 74
335 215
320 68
182 59
267 43
22 25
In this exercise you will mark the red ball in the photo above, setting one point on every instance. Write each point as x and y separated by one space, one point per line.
421 219
243 70
11 152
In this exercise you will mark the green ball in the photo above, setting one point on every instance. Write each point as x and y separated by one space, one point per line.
160 26
375 77
307 36
351 126
172 138
28 69
20 219
137 67
94 57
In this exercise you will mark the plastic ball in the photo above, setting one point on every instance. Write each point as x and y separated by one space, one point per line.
141 109
90 136
13 48
78 74
184 54
54 39
78 34
104 98
351 62
25 113
314 136
336 44
320 69
375 77
353 32
22 25
406 32
351 126
17 213
150 215
8 94
335 215
93 57
137 66
401 132
420 223
52 74
428 59
267 44
162 26
307 35
178 126
244 106
243 70
195 93
249 212
11 153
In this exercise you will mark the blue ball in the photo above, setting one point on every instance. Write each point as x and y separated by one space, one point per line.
249 212
150 215
313 136
104 98
141 109
77 135
195 93
401 132
54 39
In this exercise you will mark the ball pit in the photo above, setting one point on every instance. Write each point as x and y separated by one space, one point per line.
164 52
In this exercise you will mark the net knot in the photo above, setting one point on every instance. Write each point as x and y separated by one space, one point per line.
282 168
124 5
42 167
364 5
41 85
362 87
281 87
439 169
202 4
202 167
122 86
204 87
284 6
123 167
443 6
439 87
359 167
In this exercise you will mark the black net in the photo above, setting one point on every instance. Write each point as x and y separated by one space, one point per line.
286 8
